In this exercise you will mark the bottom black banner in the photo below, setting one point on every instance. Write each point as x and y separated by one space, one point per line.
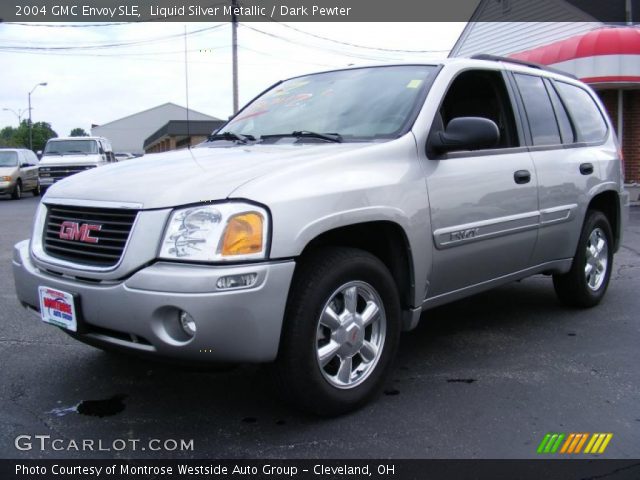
568 469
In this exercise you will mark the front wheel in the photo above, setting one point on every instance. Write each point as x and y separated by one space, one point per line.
341 331
586 283
17 191
36 191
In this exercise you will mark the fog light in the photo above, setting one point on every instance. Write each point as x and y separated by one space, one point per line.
237 281
188 324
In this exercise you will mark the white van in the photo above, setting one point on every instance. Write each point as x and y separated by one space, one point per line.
63 157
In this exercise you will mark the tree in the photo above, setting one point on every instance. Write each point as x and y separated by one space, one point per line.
19 137
78 132
7 137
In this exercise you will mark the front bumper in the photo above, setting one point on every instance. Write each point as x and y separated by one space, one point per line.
7 187
46 181
140 313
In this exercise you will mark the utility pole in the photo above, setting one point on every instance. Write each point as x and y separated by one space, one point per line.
44 84
234 53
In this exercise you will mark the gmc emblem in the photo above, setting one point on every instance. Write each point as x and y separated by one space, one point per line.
75 231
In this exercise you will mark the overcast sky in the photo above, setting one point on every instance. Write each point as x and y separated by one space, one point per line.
97 85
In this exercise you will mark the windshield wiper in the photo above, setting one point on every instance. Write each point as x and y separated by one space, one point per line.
76 151
329 137
52 153
230 136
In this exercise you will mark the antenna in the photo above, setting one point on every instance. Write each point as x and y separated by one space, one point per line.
186 83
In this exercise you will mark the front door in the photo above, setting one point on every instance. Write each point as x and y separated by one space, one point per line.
484 204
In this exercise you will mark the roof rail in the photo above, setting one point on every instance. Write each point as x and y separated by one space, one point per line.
496 58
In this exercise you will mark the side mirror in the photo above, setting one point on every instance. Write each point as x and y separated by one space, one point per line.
466 133
39 154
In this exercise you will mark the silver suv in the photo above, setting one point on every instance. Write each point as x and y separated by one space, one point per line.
328 215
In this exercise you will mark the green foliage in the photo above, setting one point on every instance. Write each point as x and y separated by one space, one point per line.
19 137
78 132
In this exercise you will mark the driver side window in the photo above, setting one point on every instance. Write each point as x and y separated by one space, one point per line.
479 93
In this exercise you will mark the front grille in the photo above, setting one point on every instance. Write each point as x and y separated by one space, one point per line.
68 241
58 173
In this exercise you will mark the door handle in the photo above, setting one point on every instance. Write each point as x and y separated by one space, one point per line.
586 168
522 176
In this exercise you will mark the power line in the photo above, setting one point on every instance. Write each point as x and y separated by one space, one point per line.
333 51
340 42
106 45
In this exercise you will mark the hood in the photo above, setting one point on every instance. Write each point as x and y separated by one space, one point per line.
7 171
64 160
190 176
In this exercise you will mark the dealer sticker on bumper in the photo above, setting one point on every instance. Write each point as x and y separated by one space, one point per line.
57 308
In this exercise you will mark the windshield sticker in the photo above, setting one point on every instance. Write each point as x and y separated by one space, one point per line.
414 83
298 99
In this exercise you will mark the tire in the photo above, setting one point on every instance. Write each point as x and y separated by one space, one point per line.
37 191
358 349
587 281
17 191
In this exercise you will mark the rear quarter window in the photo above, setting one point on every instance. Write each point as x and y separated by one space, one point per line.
588 120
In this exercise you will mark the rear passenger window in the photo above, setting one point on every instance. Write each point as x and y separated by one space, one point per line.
542 120
586 116
566 131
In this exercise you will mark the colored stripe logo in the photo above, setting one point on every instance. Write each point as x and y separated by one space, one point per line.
574 443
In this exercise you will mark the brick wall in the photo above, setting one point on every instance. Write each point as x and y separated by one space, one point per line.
631 128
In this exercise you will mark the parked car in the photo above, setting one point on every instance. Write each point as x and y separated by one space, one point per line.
18 172
119 156
63 157
328 215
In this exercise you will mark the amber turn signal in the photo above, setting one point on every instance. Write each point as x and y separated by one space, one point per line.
243 235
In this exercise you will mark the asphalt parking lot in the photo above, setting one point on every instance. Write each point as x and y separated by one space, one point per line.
486 377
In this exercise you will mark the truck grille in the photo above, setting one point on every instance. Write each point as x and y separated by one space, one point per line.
89 236
58 173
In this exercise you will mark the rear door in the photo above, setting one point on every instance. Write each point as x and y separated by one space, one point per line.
28 170
567 167
484 204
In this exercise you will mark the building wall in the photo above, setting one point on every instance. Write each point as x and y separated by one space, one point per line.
630 128
128 134
169 143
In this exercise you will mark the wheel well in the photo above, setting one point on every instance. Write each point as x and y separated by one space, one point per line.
608 203
385 240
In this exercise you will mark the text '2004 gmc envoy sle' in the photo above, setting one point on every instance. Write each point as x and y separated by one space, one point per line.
331 211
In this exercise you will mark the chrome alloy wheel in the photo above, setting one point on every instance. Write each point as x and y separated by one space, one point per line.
597 259
350 334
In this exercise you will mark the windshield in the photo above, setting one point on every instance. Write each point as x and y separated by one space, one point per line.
357 104
8 159
63 147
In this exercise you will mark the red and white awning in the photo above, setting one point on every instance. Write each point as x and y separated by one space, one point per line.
607 56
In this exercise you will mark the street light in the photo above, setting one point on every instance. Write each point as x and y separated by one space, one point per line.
17 114
44 84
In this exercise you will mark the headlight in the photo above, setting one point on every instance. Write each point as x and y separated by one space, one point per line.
216 232
5 179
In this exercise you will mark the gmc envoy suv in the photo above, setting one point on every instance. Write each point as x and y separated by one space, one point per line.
327 215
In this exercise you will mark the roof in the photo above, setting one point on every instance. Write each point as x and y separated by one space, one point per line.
77 138
606 55
154 108
184 128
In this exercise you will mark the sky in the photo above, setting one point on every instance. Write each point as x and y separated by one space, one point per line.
91 81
